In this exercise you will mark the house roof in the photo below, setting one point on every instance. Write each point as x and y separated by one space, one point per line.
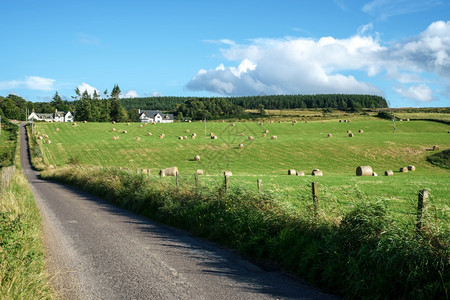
153 113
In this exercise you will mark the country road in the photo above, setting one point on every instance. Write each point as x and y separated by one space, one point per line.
96 250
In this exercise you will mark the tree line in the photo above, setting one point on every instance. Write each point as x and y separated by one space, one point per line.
109 107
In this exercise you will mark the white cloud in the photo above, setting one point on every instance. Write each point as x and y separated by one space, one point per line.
129 94
330 65
30 83
420 92
87 87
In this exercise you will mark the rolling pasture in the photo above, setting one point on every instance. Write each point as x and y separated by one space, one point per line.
303 147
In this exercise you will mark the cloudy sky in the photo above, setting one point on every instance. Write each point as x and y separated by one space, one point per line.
399 49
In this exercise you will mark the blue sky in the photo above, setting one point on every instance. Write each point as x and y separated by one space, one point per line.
399 49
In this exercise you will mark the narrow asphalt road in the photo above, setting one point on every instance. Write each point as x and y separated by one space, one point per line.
98 251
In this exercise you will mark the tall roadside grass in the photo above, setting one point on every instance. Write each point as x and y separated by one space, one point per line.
37 157
22 274
360 254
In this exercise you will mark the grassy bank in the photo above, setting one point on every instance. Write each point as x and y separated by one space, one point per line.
22 274
360 254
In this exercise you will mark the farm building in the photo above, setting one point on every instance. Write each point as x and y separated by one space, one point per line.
57 116
154 116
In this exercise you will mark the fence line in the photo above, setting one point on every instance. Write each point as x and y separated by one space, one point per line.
7 174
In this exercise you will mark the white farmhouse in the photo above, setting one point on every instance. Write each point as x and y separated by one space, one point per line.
57 116
154 116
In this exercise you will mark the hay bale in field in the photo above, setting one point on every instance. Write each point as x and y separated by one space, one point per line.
340 121
351 135
292 172
117 137
162 173
145 124
388 173
57 129
411 168
329 135
211 134
401 120
435 148
316 172
364 171
113 129
241 146
199 172
233 124
349 131
48 141
128 124
300 173
264 135
293 123
250 138
227 173
273 137
40 138
74 124
113 122
193 137
242 134
407 120
114 138
124 132
140 126
146 171
214 137
404 170
84 121
162 135
197 158
149 134
184 137
261 123
187 131
374 174
138 139
361 131
345 121
180 137
266 131
172 171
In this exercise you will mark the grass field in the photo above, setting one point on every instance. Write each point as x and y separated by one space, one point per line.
303 146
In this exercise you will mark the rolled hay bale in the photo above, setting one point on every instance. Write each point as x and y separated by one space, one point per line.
340 121
124 132
214 137
149 134
227 173
146 171
84 121
74 124
250 138
361 131
185 137
187 131
193 137
138 139
316 172
348 121
345 121
211 134
128 124
300 173
401 120
364 171
374 174
266 131
404 170
162 135
349 131
351 135
172 171
140 126
113 122
292 172
293 123
411 168
241 146
117 137
162 173
113 129
48 141
180 137
145 124
407 120
114 138
242 134
57 129
261 123
264 135
329 135
40 138
273 137
199 172
197 158
233 124
435 148
388 173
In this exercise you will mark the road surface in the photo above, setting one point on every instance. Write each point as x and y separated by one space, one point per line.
98 251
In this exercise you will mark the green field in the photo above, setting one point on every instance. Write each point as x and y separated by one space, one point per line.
303 147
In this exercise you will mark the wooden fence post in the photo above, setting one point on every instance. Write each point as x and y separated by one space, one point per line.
227 182
196 179
421 204
178 179
259 182
315 194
